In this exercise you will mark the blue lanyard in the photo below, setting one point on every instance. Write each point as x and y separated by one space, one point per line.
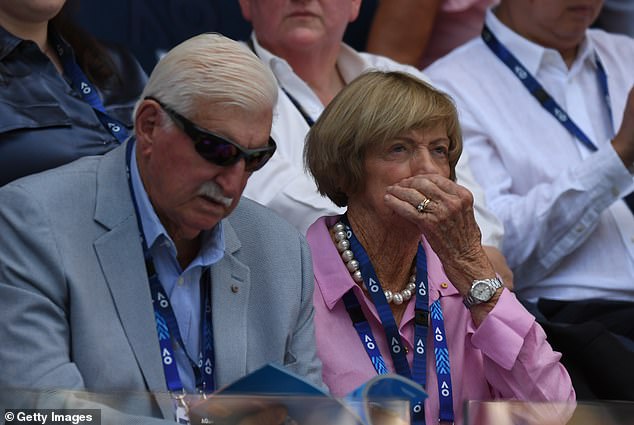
441 355
166 323
294 101
539 93
397 351
299 107
88 93
167 328
545 99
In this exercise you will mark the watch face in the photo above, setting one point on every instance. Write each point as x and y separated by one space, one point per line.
482 291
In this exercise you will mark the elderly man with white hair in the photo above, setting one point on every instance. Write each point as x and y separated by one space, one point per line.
144 270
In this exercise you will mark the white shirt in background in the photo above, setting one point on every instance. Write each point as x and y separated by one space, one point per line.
568 236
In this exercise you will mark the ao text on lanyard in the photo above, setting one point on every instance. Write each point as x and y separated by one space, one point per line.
87 91
393 337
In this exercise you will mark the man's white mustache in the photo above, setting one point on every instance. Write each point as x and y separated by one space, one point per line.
211 190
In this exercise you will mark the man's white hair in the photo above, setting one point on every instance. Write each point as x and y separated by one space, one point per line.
211 69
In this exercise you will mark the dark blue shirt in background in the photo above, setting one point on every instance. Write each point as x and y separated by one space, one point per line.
44 122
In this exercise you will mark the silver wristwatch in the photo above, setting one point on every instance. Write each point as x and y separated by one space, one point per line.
482 290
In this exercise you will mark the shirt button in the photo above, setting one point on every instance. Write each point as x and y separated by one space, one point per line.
579 229
444 285
406 350
181 280
235 289
615 192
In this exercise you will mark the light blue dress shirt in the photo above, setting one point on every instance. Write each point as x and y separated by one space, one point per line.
181 286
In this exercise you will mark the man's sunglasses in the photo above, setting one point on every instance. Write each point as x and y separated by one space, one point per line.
217 149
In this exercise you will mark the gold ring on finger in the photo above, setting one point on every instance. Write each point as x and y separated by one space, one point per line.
422 205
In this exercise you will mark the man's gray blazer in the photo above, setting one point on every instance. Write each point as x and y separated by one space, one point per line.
75 303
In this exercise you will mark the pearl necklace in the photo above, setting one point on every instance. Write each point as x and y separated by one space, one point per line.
343 246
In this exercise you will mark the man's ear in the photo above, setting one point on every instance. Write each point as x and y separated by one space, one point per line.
146 125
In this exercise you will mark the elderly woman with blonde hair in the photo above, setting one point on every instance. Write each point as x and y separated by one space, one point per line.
402 282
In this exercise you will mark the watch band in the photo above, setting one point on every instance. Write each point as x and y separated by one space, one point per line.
490 285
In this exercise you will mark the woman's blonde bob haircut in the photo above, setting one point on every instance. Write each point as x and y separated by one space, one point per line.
373 109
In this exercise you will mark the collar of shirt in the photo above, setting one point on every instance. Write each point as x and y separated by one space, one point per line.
349 62
534 56
157 238
8 42
332 267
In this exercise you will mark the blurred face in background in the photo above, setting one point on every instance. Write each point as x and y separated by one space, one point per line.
291 24
24 12
558 24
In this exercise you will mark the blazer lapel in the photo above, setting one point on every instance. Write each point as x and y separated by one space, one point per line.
121 258
230 283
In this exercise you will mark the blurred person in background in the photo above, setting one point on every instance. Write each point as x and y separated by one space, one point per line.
64 95
419 32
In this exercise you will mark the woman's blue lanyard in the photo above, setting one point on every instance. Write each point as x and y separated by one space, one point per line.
166 324
545 99
88 93
397 349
